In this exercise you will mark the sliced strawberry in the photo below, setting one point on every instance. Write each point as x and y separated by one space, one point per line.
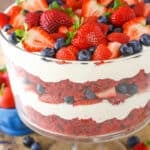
104 27
92 8
52 19
38 39
147 9
17 19
74 4
118 37
108 93
88 35
63 29
132 2
32 19
104 2
118 17
4 19
67 53
102 52
136 27
139 9
114 47
14 10
34 5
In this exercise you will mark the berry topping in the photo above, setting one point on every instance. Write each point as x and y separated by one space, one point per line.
40 89
89 94
69 99
118 18
122 88
12 38
140 146
28 141
74 4
59 2
103 19
7 27
4 19
132 89
36 146
52 19
118 37
132 141
60 42
136 45
48 52
148 20
139 9
146 1
32 19
145 39
84 55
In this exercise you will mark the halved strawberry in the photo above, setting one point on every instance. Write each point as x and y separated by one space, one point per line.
4 19
102 52
17 18
118 37
147 9
114 47
132 2
92 8
136 27
37 39
104 2
67 53
108 93
34 5
74 4
63 29
139 9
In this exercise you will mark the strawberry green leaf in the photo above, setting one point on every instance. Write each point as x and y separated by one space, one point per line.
147 143
107 14
20 33
3 68
117 4
70 36
55 5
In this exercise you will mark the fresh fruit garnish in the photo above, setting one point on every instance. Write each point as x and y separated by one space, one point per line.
74 4
67 53
28 141
145 39
33 5
32 19
139 9
146 9
140 146
88 35
84 55
4 19
118 17
133 140
104 2
92 8
102 52
37 39
132 2
52 19
36 146
136 27
118 37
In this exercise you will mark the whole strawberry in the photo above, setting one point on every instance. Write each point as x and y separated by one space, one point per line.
89 34
4 19
122 15
52 19
140 146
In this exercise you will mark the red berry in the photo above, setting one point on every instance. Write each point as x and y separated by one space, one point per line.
32 19
140 146
4 19
139 9
52 19
122 15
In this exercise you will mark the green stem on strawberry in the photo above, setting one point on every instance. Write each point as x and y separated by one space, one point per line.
3 68
117 4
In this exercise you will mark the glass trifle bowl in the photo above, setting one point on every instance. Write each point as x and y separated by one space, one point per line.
94 101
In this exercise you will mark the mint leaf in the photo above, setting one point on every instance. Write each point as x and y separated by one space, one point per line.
55 5
117 4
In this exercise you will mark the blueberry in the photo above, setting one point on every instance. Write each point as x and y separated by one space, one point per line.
89 94
28 141
132 141
36 146
146 1
136 45
7 27
103 19
148 20
122 88
84 55
48 52
59 2
132 89
60 42
40 89
145 39
126 50
12 38
69 99
92 49
111 28
117 29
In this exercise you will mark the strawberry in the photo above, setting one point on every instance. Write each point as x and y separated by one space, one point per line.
118 37
88 35
147 9
140 146
63 29
114 47
67 53
52 19
4 19
108 93
14 10
74 4
37 39
118 17
102 52
104 2
139 9
136 27
32 19
17 19
132 2
92 8
34 5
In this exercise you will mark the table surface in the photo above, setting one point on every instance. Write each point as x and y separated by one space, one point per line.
49 144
